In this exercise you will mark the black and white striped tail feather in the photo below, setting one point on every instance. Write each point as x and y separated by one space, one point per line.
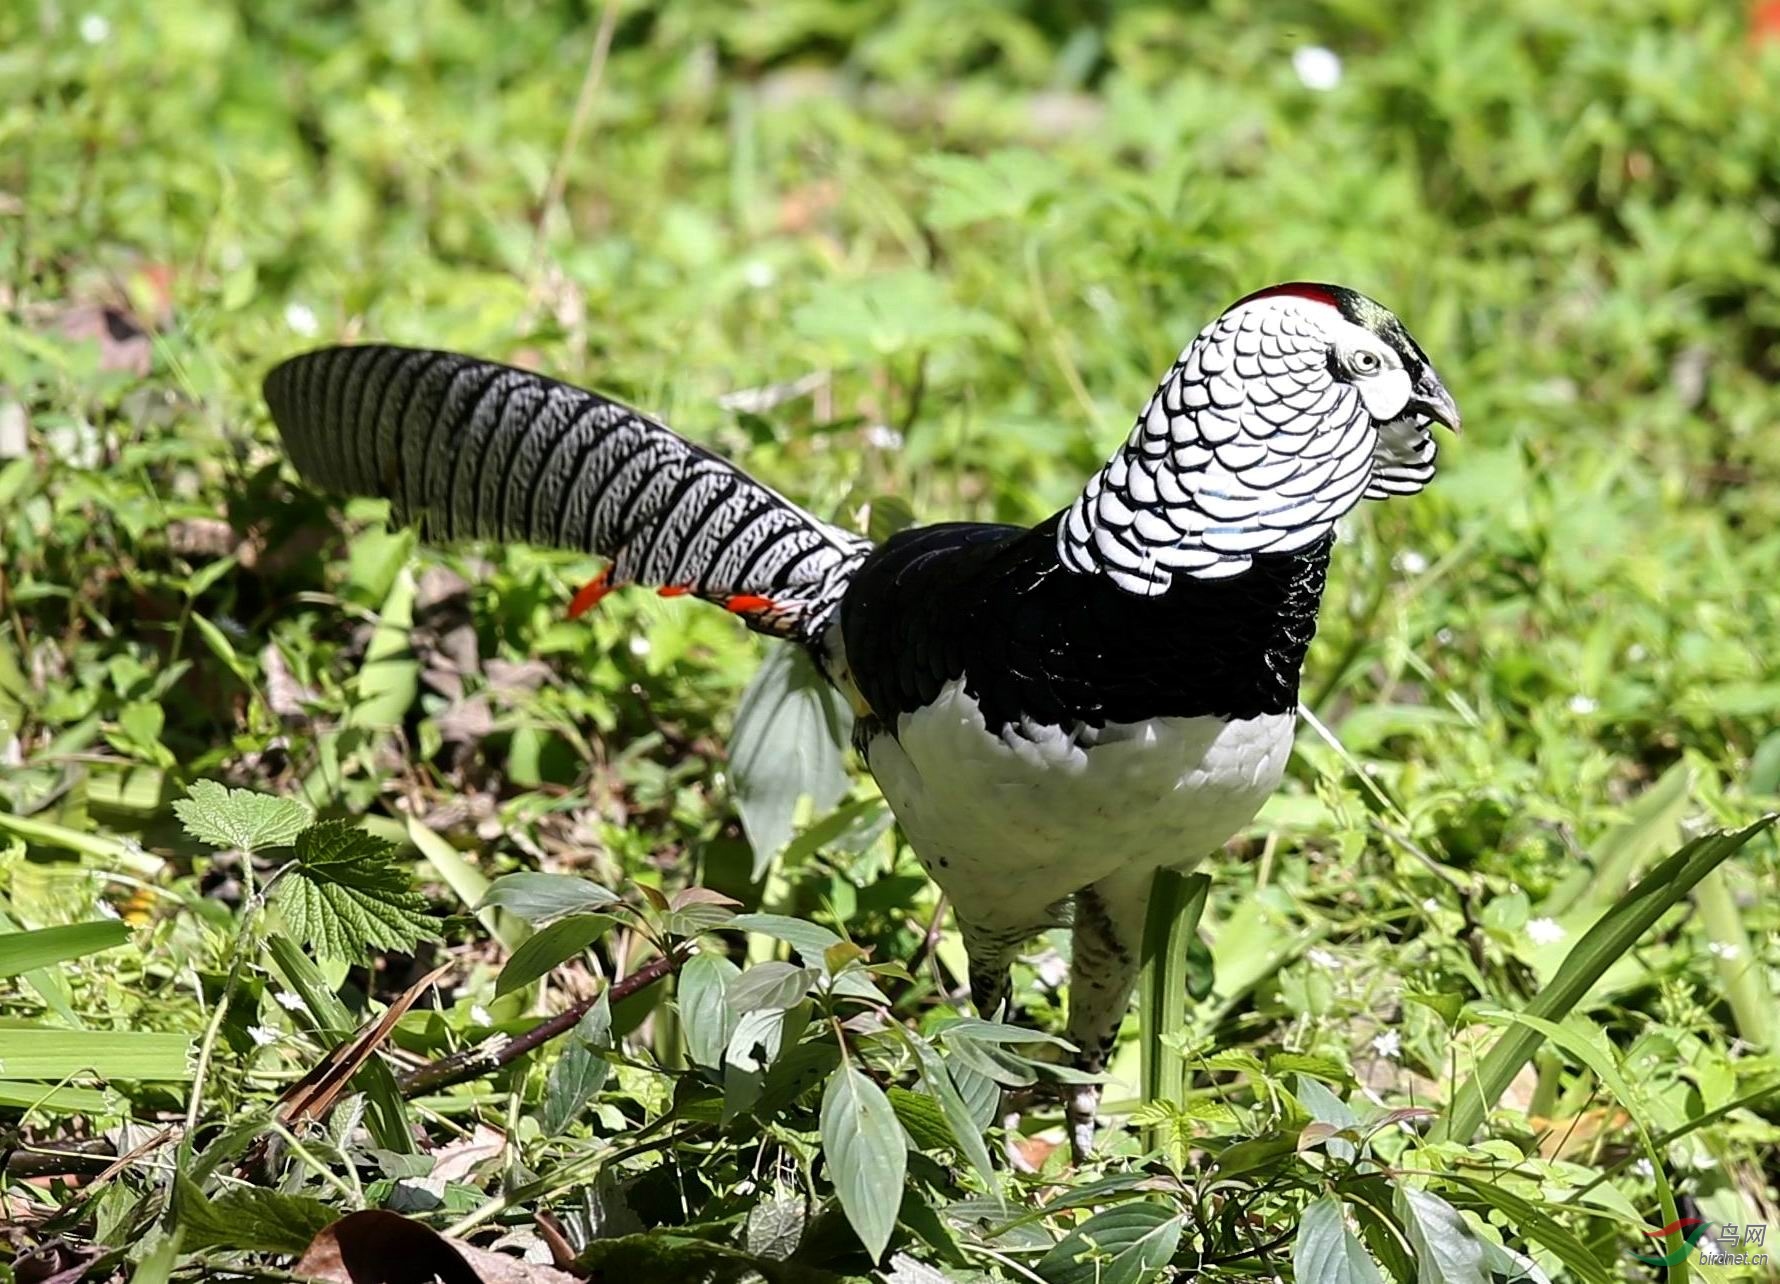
476 450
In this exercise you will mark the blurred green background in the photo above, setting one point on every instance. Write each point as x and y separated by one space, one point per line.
939 252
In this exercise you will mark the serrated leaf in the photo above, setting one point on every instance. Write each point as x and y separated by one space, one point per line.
345 897
867 1155
775 1226
1327 1251
240 819
580 1071
539 898
247 1219
789 734
707 1019
772 986
550 946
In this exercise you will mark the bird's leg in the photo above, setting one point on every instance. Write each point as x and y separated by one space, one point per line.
1108 941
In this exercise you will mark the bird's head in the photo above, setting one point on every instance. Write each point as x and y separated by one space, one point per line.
1286 411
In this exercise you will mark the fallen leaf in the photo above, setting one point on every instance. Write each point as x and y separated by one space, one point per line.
456 1160
377 1247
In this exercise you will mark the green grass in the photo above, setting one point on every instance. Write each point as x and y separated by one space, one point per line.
961 242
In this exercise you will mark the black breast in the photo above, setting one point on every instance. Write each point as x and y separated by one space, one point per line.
1038 641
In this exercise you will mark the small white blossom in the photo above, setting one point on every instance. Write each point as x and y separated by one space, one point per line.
759 274
479 1015
94 28
639 646
262 1036
290 1001
300 317
1322 958
1318 68
883 437
1636 653
1388 1045
1430 905
1444 637
1643 1167
1722 950
1545 931
1410 562
1583 705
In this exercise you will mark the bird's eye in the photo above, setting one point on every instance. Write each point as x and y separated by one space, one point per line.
1364 362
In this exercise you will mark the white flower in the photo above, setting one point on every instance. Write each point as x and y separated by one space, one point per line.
1430 905
262 1036
639 646
1643 1168
1318 68
1545 931
290 1001
1320 957
1444 636
480 1015
1583 705
759 274
106 909
300 317
1410 562
1636 653
883 436
1721 950
1388 1045
94 28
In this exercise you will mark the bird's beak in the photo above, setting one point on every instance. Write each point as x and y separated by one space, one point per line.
1431 398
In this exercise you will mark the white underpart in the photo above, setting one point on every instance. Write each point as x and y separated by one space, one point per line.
1010 824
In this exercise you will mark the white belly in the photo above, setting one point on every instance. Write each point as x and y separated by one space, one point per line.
1017 821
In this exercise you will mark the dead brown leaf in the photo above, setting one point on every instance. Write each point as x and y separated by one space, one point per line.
378 1247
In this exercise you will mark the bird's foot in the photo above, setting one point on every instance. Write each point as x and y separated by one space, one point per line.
1081 1104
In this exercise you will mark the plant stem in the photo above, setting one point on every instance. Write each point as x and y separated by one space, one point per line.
488 1056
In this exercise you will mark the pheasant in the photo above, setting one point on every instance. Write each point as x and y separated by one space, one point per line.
1053 713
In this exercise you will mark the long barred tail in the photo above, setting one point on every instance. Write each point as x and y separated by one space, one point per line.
475 450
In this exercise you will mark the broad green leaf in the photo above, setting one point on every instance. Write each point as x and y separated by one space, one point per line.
895 313
772 985
705 1016
247 1219
921 1117
1447 1251
580 1071
22 952
1119 1246
240 819
550 946
1326 1108
1327 1252
106 1054
867 1155
389 678
468 882
538 898
810 940
345 896
938 1079
789 733
1532 1222
1000 187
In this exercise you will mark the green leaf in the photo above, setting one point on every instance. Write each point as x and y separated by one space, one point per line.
773 986
790 731
1531 1222
56 1100
22 952
1122 1245
247 1219
108 1054
810 940
345 897
705 1016
921 1116
580 1071
1000 187
1327 1252
1447 1251
538 898
867 1155
1664 887
892 314
240 819
550 946
389 679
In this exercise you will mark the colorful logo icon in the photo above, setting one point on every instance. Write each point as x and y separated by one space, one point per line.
1692 1229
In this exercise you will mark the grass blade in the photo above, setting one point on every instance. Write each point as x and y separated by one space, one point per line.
1660 890
22 952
